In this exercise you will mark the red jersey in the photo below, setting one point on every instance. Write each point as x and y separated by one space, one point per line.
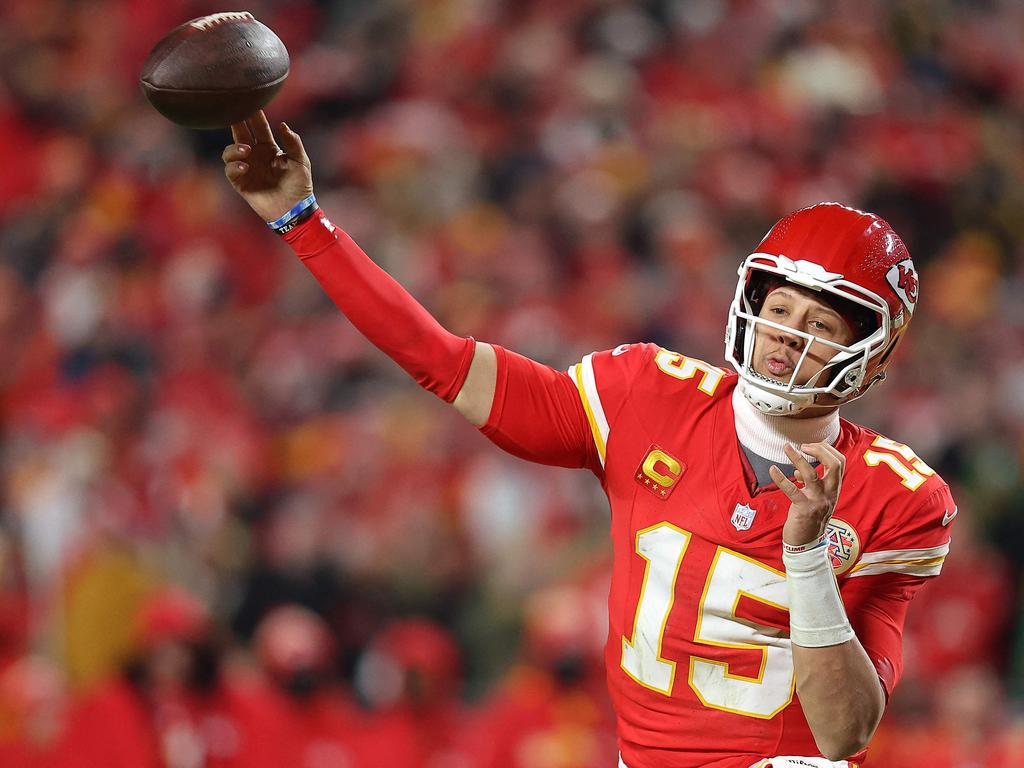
699 660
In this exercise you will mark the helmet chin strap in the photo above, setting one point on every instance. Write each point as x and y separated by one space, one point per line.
772 403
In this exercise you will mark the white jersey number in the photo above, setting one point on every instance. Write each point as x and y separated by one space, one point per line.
912 472
681 367
730 577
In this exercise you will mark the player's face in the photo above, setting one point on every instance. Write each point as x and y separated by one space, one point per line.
777 352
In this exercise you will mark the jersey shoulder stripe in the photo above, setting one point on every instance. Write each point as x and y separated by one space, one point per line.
582 375
914 562
606 380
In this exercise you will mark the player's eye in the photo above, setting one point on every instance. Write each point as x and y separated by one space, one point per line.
822 326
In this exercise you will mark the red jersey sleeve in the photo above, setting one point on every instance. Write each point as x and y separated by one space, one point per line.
877 608
561 418
538 415
898 560
913 542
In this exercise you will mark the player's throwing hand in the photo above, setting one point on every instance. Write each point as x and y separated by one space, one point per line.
271 178
814 501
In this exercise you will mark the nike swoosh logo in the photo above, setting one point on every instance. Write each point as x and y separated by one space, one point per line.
948 516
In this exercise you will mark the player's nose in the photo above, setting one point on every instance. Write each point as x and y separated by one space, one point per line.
789 339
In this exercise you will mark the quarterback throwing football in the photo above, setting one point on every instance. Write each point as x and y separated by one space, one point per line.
765 550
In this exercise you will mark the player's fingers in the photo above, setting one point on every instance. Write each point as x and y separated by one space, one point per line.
241 133
261 128
809 479
820 449
786 485
833 483
833 463
233 152
292 144
236 170
829 457
803 467
839 456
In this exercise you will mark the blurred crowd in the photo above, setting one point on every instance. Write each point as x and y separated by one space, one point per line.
230 526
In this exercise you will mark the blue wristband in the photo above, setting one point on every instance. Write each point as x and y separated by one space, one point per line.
296 212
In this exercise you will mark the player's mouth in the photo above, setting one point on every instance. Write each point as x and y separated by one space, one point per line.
778 366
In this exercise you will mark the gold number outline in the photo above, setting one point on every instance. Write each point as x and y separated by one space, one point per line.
681 367
631 643
913 476
759 680
687 536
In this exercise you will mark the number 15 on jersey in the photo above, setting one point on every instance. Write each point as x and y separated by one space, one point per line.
731 577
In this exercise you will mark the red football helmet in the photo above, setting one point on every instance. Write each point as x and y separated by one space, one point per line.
859 265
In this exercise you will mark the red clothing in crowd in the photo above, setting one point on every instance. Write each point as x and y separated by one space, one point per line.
534 722
120 726
280 730
417 737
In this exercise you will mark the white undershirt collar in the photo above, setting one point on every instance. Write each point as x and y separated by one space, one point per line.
766 435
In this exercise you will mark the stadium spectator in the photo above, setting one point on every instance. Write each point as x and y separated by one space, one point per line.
411 677
296 713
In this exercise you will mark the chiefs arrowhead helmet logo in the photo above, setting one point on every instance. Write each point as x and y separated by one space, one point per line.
903 279
907 281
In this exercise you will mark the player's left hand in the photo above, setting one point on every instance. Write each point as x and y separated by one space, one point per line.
813 502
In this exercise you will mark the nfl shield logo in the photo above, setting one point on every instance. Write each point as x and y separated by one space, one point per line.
743 517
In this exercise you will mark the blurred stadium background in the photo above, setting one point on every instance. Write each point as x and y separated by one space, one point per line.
230 526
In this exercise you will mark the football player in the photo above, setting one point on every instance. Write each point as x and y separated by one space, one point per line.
765 550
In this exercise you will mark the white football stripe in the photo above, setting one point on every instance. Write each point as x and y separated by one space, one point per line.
208 22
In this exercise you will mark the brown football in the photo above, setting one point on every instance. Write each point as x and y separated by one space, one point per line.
214 70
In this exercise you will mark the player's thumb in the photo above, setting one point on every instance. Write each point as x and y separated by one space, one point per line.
292 145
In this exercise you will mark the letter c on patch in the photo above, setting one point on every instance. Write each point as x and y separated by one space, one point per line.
674 468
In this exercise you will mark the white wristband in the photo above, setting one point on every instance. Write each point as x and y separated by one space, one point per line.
817 617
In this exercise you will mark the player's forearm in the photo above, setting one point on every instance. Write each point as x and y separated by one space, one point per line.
546 425
841 696
838 687
383 310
